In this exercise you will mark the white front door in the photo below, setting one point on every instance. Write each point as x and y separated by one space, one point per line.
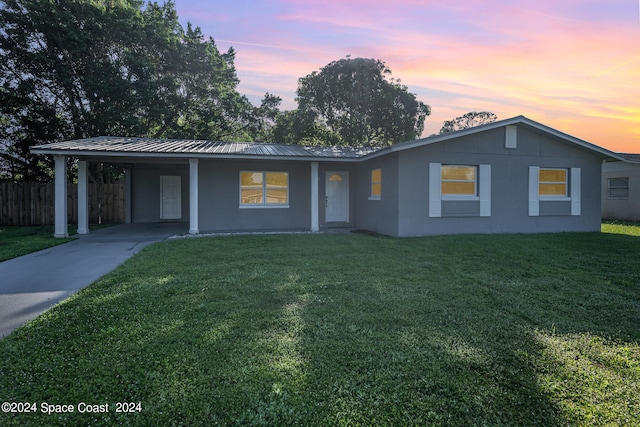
170 197
337 197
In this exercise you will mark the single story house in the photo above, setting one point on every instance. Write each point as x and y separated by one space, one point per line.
621 188
510 176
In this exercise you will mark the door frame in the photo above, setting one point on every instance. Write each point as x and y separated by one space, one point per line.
177 178
345 175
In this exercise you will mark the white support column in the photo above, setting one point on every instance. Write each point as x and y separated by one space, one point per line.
315 227
193 196
127 194
61 228
83 198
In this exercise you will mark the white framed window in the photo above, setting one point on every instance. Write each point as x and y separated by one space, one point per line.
376 184
459 183
554 185
618 188
264 189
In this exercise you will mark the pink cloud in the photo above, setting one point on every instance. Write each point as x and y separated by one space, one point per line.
557 62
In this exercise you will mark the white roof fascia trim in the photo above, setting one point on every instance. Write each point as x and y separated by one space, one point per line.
407 145
495 125
572 139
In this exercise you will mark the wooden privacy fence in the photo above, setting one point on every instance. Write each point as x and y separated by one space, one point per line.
26 203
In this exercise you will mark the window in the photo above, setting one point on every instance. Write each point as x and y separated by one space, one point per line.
376 184
264 189
618 188
553 183
453 186
458 180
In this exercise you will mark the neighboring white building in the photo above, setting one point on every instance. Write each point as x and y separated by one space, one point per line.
621 189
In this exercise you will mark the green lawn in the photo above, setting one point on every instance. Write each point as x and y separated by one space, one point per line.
16 241
353 329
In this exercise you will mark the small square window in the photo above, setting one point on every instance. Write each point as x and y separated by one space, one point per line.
553 183
618 188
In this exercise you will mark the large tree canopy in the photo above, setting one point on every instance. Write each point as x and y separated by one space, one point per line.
79 68
351 102
469 120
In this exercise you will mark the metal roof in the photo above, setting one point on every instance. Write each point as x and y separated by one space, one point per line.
634 158
129 146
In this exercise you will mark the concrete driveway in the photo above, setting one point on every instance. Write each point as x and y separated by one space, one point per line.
31 284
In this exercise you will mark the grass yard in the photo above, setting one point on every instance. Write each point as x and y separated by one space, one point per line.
16 241
513 330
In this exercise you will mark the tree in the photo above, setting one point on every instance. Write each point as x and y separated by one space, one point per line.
351 102
300 127
80 68
468 120
265 118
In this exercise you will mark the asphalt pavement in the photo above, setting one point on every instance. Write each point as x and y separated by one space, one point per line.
31 284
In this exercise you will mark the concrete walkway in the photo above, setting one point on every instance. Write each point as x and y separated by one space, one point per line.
31 284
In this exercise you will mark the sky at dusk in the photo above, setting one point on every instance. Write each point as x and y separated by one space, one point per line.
572 64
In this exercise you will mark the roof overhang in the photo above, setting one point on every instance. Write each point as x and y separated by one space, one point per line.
630 158
119 148
174 156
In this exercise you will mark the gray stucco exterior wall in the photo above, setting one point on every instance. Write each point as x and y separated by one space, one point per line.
219 197
380 216
219 207
145 190
509 186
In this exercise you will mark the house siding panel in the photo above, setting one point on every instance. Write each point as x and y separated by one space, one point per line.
380 216
555 208
145 191
460 208
219 201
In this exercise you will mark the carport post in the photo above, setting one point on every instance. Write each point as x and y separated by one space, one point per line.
193 196
61 228
314 197
83 198
127 194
